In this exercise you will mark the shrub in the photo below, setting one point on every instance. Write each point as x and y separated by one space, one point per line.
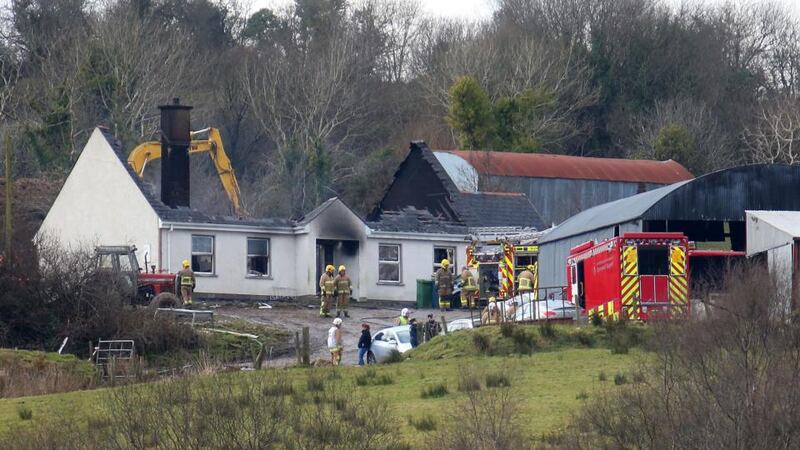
620 379
547 330
506 329
524 342
370 377
282 387
494 380
394 357
596 320
602 376
586 339
24 412
582 395
638 377
482 342
434 391
315 383
424 423
469 383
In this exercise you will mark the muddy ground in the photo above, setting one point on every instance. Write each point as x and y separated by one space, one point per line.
294 317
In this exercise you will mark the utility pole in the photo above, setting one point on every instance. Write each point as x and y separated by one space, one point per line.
8 223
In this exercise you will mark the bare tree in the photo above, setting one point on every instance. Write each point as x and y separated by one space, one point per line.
774 136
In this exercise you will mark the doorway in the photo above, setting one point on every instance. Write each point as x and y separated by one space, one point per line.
338 253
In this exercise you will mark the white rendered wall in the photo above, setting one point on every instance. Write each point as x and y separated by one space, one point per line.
230 276
100 204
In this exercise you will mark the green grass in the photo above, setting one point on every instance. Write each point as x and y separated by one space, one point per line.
551 384
40 361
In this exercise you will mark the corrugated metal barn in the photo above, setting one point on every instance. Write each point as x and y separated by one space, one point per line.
559 186
708 209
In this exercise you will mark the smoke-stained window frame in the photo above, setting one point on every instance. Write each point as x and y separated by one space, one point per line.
398 263
199 253
249 255
437 262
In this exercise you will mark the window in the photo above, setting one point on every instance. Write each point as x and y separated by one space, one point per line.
257 257
440 253
203 254
654 261
389 263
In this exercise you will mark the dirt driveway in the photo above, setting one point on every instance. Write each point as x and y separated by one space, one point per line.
294 317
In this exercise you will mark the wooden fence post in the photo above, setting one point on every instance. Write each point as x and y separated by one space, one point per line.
306 347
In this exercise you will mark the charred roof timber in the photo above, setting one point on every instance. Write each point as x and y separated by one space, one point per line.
175 141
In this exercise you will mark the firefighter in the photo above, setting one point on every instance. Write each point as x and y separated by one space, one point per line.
187 282
525 283
403 319
327 289
444 283
469 288
490 314
344 290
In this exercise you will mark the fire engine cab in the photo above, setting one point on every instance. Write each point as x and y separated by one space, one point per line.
499 255
634 276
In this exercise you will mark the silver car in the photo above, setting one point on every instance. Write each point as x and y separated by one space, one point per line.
463 324
544 309
388 340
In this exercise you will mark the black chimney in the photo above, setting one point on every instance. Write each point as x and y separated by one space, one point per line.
175 140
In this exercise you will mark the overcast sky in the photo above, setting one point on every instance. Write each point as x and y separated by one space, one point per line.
478 9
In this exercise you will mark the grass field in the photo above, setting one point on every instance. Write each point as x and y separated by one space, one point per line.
550 384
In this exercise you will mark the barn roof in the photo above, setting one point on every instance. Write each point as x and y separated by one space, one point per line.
718 196
540 165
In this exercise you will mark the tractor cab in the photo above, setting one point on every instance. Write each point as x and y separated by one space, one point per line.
120 264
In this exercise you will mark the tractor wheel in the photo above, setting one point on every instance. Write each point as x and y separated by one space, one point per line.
164 300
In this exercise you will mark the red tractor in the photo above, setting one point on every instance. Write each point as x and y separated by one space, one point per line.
144 288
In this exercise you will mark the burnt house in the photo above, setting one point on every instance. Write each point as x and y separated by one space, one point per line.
421 183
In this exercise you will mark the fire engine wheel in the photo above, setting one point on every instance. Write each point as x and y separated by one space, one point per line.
164 300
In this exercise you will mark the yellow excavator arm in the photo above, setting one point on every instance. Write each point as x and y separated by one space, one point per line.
151 151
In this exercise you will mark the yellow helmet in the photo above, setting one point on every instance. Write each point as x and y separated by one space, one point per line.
185 263
445 263
329 268
342 268
492 300
531 267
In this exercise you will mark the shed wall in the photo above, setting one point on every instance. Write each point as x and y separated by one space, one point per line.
553 255
557 199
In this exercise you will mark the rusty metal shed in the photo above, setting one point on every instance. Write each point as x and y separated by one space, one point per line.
710 208
559 186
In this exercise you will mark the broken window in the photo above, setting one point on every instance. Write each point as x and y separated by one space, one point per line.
440 253
389 263
203 254
258 257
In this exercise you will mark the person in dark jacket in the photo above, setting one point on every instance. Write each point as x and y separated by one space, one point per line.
364 343
412 331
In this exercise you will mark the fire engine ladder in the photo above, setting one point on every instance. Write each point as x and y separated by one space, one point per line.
109 352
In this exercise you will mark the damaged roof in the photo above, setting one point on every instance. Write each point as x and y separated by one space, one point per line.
416 221
541 165
185 215
497 209
422 183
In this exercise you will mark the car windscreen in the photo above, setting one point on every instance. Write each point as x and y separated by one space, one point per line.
403 336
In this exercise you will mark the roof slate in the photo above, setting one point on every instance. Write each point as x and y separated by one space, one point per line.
416 221
493 209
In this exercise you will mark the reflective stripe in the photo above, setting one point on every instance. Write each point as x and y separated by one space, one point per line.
329 286
524 283
186 281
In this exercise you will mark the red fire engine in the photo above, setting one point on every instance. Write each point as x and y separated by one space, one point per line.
635 276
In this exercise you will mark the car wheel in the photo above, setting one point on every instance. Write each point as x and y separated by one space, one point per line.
371 358
164 300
